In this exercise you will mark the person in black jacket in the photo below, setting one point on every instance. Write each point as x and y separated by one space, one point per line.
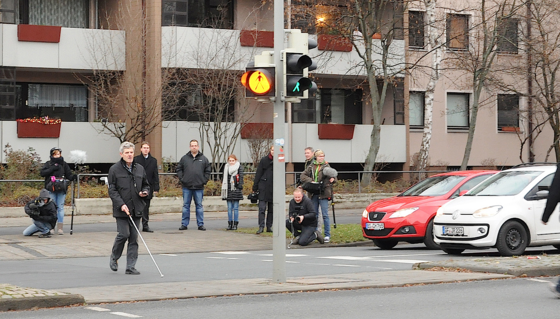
151 167
56 171
302 221
193 171
232 190
128 187
551 202
43 212
263 185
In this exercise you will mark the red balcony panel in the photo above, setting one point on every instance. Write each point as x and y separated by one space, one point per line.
263 39
38 33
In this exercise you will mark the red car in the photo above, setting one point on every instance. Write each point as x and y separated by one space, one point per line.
409 216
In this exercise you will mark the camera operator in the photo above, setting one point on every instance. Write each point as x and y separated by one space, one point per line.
302 221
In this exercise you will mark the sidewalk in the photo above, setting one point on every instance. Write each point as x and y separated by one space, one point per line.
18 247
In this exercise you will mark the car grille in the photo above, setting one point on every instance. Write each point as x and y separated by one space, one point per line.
376 216
383 232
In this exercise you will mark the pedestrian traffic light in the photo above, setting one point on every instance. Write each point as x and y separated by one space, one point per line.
258 78
297 64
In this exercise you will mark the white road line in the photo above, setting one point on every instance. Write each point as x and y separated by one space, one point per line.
97 309
391 256
292 262
171 255
296 255
267 260
216 257
124 314
403 261
343 265
231 252
537 280
265 255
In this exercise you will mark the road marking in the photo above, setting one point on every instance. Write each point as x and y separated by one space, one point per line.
343 265
171 255
97 309
296 255
538 280
346 258
292 262
265 255
390 256
124 314
231 252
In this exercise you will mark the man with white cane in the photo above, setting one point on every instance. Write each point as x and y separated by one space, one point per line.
128 186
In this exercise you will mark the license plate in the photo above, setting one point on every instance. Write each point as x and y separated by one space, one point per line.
375 226
453 231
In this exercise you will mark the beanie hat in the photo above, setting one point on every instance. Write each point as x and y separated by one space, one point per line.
55 149
44 193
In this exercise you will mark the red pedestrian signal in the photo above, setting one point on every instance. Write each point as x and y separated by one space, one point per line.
259 82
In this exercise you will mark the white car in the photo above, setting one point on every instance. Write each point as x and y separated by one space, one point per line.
504 212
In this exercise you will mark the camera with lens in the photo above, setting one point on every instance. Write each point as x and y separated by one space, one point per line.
295 213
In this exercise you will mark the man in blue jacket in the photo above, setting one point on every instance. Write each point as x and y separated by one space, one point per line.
193 171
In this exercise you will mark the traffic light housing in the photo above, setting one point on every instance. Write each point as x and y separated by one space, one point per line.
259 76
297 64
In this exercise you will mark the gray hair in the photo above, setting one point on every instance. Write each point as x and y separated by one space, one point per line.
126 145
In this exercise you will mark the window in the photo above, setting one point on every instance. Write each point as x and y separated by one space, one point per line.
507 36
8 94
196 104
305 112
457 35
458 110
8 11
64 13
508 111
416 29
341 106
198 13
65 102
416 109
398 102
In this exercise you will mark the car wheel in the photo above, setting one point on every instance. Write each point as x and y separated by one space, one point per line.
512 239
385 243
429 238
453 251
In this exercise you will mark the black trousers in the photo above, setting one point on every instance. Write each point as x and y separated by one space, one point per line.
306 233
126 232
146 214
262 208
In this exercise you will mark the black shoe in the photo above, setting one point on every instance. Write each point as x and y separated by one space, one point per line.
269 229
132 271
235 225
260 230
183 227
201 227
229 225
47 235
113 264
147 230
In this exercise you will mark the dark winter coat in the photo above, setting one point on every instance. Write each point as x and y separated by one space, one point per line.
151 167
553 196
124 188
263 179
45 213
236 193
306 209
58 168
194 172
314 173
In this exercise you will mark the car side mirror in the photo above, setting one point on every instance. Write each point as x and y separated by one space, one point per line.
541 195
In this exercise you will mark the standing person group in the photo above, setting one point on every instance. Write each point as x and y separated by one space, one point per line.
315 173
57 175
263 184
232 189
193 171
151 167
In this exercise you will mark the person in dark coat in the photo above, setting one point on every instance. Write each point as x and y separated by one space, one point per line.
263 184
43 212
232 190
193 171
151 167
57 170
302 221
128 186
551 202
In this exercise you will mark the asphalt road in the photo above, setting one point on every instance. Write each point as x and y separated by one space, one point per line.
510 298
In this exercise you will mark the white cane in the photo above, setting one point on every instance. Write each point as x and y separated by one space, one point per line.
148 249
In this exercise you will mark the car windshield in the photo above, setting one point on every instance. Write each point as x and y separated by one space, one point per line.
434 186
505 183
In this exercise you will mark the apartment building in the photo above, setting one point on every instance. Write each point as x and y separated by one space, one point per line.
50 49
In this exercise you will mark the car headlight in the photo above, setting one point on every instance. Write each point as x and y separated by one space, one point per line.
404 212
439 211
487 211
365 213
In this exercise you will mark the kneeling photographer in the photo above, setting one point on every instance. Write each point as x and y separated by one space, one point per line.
302 221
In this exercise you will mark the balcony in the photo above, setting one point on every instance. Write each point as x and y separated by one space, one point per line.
77 49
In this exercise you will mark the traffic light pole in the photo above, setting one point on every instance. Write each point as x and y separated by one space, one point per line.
279 188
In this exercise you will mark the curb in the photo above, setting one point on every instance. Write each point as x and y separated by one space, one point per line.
13 304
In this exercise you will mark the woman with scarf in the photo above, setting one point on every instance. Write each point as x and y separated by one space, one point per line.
57 174
232 190
321 196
